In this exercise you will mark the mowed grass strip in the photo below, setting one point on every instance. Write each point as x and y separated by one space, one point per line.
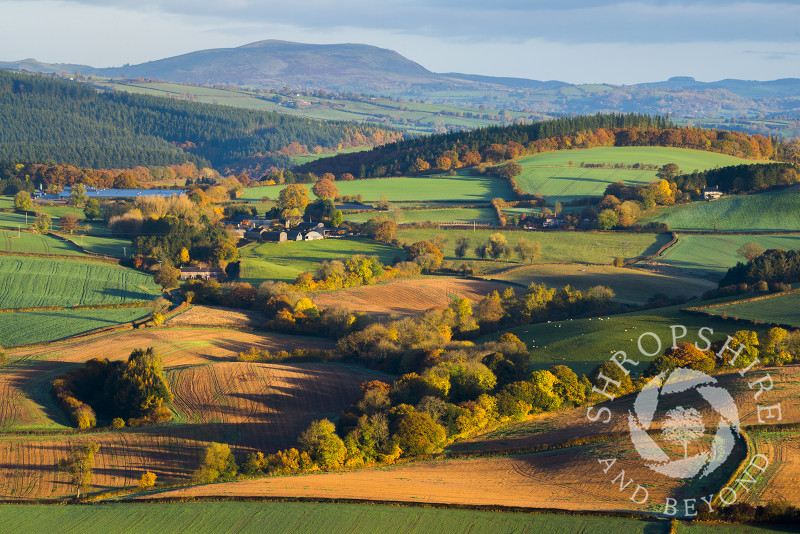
775 210
779 309
26 328
462 187
632 286
557 247
284 261
292 517
30 282
712 255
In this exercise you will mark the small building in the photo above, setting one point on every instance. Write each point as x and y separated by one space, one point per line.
202 273
312 235
273 236
254 233
711 193
552 222
294 235
308 226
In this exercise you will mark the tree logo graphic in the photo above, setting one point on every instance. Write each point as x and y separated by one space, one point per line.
683 426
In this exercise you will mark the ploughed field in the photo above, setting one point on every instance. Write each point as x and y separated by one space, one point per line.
407 297
251 406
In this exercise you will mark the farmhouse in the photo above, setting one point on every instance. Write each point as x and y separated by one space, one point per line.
204 273
552 222
711 193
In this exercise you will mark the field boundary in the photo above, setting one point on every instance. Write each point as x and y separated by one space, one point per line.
83 249
702 310
111 306
658 253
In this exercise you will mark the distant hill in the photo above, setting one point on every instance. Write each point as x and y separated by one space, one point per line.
359 68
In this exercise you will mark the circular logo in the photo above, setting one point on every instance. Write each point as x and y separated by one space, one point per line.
682 425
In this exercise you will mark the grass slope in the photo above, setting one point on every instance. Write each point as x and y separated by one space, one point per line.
479 215
291 518
712 255
28 243
24 328
35 282
780 309
284 261
583 343
463 187
631 286
557 247
775 210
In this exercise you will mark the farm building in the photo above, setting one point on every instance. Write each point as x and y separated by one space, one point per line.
274 236
552 222
711 193
312 235
204 273
294 235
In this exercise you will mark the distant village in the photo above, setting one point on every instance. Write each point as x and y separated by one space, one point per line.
269 230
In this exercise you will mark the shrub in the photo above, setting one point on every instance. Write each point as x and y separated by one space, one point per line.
148 480
216 462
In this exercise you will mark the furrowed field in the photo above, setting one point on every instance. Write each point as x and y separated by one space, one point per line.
35 282
631 286
284 261
293 517
464 188
711 256
552 174
775 210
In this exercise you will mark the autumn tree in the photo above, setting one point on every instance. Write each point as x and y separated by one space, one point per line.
167 277
216 462
426 254
527 250
497 245
420 165
462 246
607 219
325 188
322 444
92 209
68 224
77 196
78 465
22 201
147 480
380 228
293 196
750 250
43 223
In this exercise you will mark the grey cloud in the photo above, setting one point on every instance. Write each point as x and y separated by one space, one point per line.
577 21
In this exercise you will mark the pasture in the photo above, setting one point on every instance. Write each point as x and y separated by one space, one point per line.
763 212
36 282
687 159
294 517
29 243
711 256
41 326
598 248
463 188
407 297
401 216
284 261
778 309
631 286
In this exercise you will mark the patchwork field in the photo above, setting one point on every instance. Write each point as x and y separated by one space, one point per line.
294 517
464 188
34 282
559 176
632 286
778 309
284 261
28 243
400 216
41 326
407 297
775 210
782 448
711 256
557 247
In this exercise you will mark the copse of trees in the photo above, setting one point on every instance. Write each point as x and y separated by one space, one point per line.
740 178
773 266
135 390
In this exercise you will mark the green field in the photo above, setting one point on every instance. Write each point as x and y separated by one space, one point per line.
632 286
36 282
28 243
552 174
284 261
583 343
293 518
775 210
23 328
462 188
557 247
711 256
480 215
780 309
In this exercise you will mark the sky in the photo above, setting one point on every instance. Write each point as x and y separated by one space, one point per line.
577 41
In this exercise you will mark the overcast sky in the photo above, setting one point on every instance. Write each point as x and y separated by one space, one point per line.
579 41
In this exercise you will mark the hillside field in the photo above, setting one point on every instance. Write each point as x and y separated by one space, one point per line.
294 517
764 212
552 174
557 247
29 243
632 286
711 256
400 216
284 261
36 282
463 188
778 309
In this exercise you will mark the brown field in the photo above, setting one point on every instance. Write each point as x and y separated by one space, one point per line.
779 481
217 317
250 406
408 297
570 479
